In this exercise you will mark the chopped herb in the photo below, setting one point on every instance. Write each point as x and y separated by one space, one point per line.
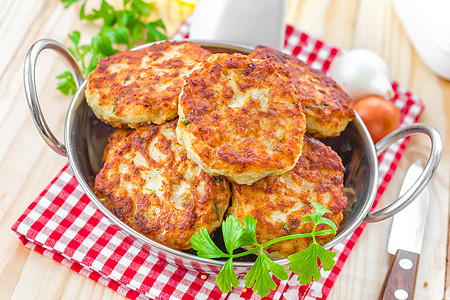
285 227
115 104
216 209
186 122
274 148
150 190
321 106
218 179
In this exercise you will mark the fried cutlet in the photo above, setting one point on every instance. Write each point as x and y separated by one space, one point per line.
327 107
240 118
149 183
280 202
139 87
114 138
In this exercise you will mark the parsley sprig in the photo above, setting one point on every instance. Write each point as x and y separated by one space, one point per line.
236 235
124 27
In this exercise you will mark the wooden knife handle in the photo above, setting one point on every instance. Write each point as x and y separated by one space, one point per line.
401 278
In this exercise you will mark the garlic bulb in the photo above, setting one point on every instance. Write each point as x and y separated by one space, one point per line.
361 73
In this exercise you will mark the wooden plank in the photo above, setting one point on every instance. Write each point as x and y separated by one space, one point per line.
28 165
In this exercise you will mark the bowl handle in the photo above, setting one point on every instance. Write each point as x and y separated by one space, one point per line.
424 178
31 93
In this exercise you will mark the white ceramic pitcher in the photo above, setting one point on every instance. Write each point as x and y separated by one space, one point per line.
246 22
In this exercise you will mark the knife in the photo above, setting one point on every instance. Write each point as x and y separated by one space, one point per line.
405 241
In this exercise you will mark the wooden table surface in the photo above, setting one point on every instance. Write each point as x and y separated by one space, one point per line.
28 165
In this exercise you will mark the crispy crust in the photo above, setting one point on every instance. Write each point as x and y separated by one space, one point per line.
133 88
148 182
240 118
327 107
280 202
115 137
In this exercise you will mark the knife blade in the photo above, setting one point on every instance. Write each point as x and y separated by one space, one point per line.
405 241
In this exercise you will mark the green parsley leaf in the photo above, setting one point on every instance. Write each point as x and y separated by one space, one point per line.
75 38
106 12
84 16
328 222
318 218
232 231
320 209
68 2
95 58
75 50
143 8
155 31
67 85
304 263
326 258
227 279
259 277
248 238
315 217
119 35
204 245
103 45
136 33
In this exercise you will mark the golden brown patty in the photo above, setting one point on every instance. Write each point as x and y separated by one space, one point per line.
327 107
114 138
149 183
279 203
141 87
240 118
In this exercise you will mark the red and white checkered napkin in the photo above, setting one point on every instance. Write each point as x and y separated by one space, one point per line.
64 225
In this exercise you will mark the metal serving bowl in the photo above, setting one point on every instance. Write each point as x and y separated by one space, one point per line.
86 137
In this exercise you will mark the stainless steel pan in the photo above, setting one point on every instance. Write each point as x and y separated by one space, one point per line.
85 138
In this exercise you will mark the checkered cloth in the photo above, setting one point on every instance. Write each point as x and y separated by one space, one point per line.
64 225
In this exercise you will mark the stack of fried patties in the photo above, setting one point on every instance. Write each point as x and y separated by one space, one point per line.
201 136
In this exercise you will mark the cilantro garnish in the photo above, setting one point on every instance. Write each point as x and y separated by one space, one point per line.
236 235
123 27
